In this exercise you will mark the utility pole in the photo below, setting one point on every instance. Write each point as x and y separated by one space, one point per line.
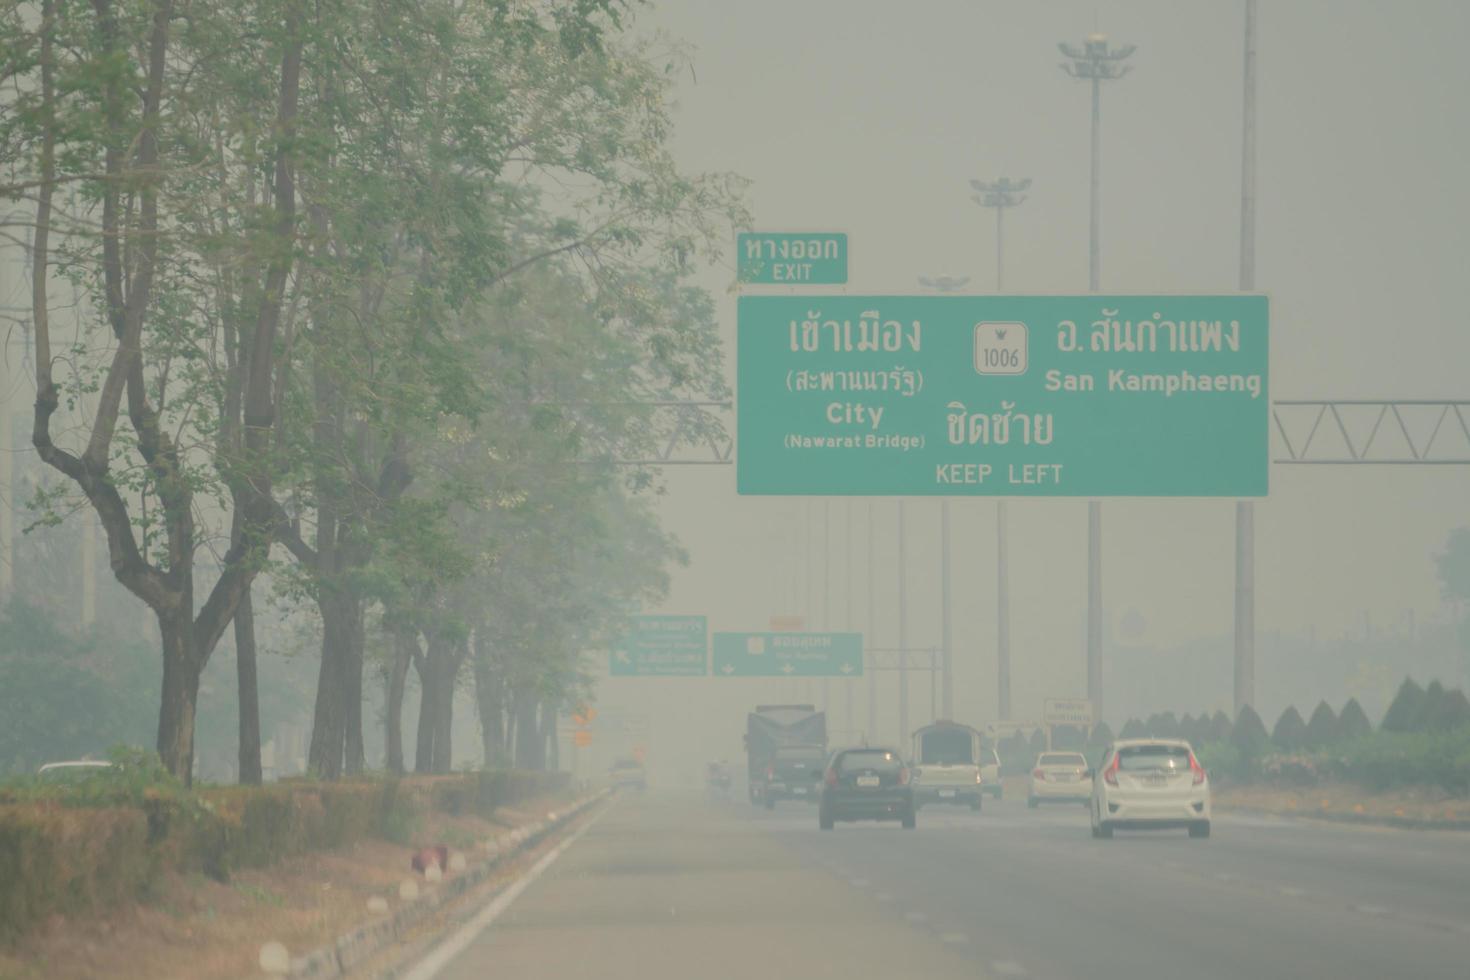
826 591
999 195
903 630
944 284
847 619
1096 62
1245 510
871 665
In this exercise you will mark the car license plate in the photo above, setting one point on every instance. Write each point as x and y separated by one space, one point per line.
1155 779
946 793
867 780
799 791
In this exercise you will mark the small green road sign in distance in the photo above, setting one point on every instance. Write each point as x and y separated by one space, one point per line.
791 259
788 655
662 646
1039 396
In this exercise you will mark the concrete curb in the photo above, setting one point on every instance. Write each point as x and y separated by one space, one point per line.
375 935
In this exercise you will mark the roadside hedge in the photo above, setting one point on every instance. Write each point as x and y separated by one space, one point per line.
88 847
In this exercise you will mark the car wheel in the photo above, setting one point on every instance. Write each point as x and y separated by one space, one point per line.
1201 829
975 804
909 820
824 820
1105 830
770 803
1032 802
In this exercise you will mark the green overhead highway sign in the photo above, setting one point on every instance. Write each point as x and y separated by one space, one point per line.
662 646
788 655
1151 396
791 259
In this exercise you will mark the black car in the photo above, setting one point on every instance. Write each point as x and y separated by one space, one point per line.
794 774
866 784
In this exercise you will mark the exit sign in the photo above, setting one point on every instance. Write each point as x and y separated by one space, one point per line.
791 258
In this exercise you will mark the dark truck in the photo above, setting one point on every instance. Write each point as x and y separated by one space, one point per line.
785 727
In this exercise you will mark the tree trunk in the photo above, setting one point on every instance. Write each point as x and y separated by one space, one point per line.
490 699
404 642
329 717
180 697
250 773
548 730
449 663
444 715
529 744
356 630
423 751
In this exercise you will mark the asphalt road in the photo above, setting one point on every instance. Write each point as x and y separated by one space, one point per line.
667 887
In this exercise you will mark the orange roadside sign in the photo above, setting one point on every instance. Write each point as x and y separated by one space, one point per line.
584 715
639 752
582 738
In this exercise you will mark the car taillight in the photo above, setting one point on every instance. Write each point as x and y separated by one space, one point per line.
770 772
1038 774
831 777
1110 774
1197 769
903 776
978 777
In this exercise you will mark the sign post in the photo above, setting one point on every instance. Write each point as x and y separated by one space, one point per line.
662 646
1040 396
788 655
1076 712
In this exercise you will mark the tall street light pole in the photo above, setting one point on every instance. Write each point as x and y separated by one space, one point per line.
1096 62
1245 510
945 284
999 195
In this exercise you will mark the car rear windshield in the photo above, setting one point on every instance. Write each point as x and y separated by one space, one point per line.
1137 757
881 760
946 748
1062 759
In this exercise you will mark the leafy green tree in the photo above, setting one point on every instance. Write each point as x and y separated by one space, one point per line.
1406 709
1353 722
109 107
1220 727
1290 731
1249 735
1323 729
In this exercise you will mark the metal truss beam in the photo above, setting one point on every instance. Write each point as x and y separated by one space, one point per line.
1367 432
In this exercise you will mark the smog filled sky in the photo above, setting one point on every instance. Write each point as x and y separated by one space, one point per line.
871 117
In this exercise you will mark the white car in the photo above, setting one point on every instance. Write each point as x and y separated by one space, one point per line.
1150 783
1059 777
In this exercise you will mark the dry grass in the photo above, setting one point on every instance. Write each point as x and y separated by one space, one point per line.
194 927
1426 807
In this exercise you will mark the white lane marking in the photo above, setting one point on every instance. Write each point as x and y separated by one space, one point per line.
1008 968
1382 911
429 967
954 938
